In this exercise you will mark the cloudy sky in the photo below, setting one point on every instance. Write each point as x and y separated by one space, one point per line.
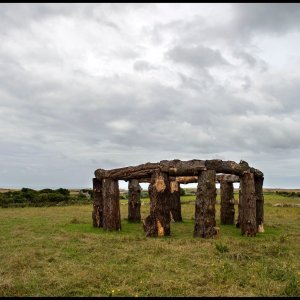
87 86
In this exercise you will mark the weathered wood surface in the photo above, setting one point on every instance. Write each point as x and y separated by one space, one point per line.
177 168
150 193
205 212
238 218
111 205
219 178
227 203
259 203
247 205
158 222
97 214
175 205
134 201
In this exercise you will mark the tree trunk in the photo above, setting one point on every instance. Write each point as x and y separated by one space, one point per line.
205 211
176 168
175 204
158 222
239 205
111 205
97 213
227 203
150 192
247 205
259 203
134 201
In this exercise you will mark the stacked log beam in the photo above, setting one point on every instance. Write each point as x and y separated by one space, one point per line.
177 168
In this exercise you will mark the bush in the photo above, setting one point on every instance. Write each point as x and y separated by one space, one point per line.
44 197
182 192
62 191
144 194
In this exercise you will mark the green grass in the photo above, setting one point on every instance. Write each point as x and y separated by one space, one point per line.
55 251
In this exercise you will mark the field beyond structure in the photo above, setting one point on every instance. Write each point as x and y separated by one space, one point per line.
56 251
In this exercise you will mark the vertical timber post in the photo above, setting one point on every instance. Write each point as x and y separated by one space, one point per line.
150 193
175 205
205 211
97 214
134 201
111 205
158 222
247 204
239 205
227 202
259 203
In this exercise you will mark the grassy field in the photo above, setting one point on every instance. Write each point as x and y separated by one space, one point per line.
55 251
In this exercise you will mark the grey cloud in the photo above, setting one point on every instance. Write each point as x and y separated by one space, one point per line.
276 18
142 66
59 124
246 57
285 91
197 56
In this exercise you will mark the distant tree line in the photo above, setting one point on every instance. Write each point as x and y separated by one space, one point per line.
288 194
45 197
49 197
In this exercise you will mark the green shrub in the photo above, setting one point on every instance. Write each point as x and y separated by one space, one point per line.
182 192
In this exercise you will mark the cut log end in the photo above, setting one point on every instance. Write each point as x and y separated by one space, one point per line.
261 228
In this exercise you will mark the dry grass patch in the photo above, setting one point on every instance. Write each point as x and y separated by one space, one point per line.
55 251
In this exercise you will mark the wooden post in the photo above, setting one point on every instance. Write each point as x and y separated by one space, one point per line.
134 201
158 222
175 205
97 214
205 211
227 202
150 193
238 218
259 203
111 205
247 205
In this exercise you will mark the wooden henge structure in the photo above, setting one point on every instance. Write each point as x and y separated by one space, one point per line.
164 180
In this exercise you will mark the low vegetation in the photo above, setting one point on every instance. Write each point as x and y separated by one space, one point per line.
44 197
55 251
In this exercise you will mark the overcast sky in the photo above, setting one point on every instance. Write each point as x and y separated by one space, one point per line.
88 86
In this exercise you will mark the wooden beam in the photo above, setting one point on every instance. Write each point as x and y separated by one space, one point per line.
177 168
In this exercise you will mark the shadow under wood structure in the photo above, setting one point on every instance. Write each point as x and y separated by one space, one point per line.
164 180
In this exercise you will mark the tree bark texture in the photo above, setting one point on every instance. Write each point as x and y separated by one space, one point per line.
134 201
227 203
175 205
177 167
158 222
238 218
111 205
97 214
150 193
194 179
259 203
205 211
247 205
